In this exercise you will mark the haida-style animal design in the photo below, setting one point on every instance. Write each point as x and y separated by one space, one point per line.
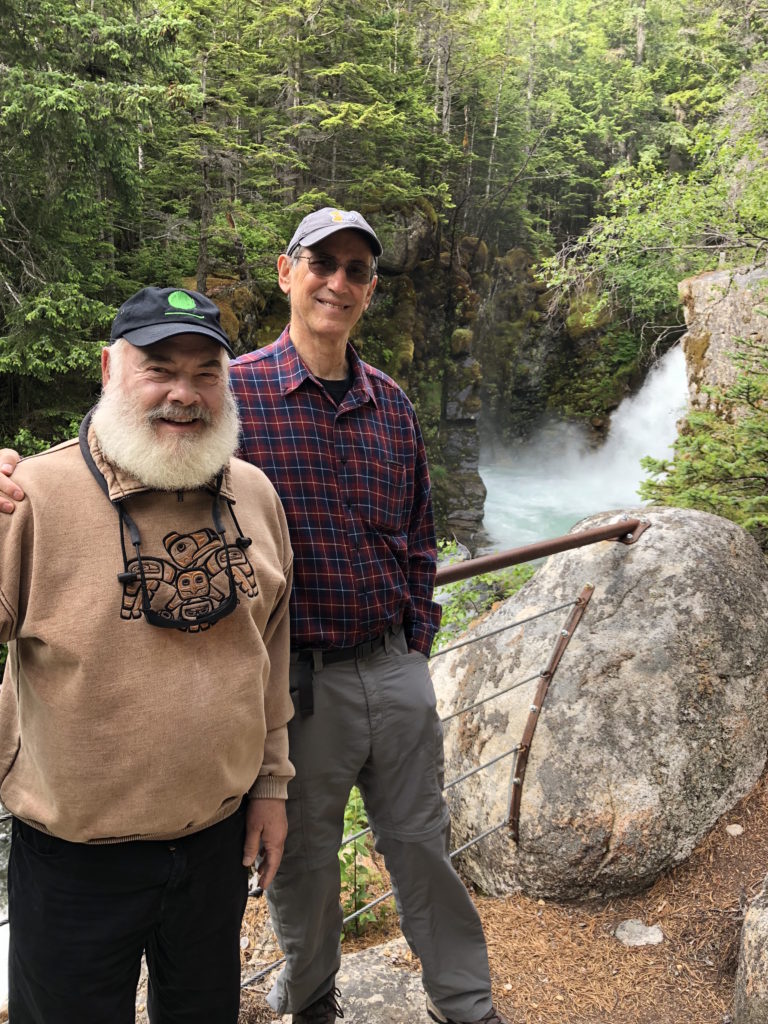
193 583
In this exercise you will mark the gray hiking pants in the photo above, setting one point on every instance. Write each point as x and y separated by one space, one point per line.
375 726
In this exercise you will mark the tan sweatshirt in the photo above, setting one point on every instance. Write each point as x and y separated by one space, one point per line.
112 728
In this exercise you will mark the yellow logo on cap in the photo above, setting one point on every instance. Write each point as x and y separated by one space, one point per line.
337 216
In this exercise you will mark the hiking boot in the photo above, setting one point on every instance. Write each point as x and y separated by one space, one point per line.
492 1017
324 1010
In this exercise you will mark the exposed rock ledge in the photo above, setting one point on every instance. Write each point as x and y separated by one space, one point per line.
720 306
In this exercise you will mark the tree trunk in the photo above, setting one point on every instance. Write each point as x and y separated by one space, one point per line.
640 33
206 219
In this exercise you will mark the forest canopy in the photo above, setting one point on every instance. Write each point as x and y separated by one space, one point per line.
623 145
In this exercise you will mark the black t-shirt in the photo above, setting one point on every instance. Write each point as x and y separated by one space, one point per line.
337 389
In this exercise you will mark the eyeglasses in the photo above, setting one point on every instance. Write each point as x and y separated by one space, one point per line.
357 271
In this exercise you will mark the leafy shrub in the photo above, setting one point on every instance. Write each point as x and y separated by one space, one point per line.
464 600
357 876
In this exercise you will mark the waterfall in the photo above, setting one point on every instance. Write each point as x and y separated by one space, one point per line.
543 486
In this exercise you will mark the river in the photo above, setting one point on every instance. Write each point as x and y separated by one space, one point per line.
540 488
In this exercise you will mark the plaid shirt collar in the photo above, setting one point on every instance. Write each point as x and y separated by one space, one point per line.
293 371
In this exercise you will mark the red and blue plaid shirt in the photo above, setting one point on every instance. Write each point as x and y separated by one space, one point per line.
354 483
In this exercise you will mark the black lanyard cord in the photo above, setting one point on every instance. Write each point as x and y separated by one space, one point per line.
129 576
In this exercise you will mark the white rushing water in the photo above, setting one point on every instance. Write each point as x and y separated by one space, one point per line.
540 488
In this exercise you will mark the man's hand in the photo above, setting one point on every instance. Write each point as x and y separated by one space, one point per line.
9 459
266 827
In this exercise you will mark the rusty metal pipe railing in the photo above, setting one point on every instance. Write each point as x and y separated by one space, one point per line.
626 530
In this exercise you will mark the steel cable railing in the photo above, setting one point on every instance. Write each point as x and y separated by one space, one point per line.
501 629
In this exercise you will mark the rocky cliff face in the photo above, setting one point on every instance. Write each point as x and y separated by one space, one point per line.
420 329
720 306
519 348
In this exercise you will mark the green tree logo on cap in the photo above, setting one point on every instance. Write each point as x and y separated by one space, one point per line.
181 300
182 303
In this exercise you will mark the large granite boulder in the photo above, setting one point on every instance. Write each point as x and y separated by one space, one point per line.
656 721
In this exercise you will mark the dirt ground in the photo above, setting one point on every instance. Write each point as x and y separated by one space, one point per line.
559 963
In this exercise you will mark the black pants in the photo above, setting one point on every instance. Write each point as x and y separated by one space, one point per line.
81 916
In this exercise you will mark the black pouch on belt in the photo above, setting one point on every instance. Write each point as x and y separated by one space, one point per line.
301 694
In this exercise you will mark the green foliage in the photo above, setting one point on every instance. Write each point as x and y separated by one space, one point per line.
357 875
599 376
720 462
692 193
154 143
464 600
78 82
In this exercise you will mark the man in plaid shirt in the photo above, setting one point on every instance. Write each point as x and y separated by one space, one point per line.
341 443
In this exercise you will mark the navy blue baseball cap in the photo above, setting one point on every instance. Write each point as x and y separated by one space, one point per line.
322 223
153 314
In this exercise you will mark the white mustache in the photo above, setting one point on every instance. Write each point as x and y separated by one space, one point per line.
180 414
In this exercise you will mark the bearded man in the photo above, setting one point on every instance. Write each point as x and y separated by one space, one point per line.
143 713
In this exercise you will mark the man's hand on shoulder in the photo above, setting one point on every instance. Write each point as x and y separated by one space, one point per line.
266 827
10 493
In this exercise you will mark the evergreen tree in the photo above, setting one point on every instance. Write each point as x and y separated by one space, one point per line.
693 193
78 81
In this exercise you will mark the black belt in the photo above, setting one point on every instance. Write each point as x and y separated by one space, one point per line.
363 650
312 660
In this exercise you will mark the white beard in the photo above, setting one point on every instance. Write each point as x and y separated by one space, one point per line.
129 440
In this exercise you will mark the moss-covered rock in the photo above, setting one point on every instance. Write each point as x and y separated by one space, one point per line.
592 378
517 262
586 315
386 335
474 254
408 233
241 305
519 350
461 341
461 391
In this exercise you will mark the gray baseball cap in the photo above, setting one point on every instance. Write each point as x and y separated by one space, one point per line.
322 223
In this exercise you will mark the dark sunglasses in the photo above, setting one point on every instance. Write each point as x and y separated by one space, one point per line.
322 266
